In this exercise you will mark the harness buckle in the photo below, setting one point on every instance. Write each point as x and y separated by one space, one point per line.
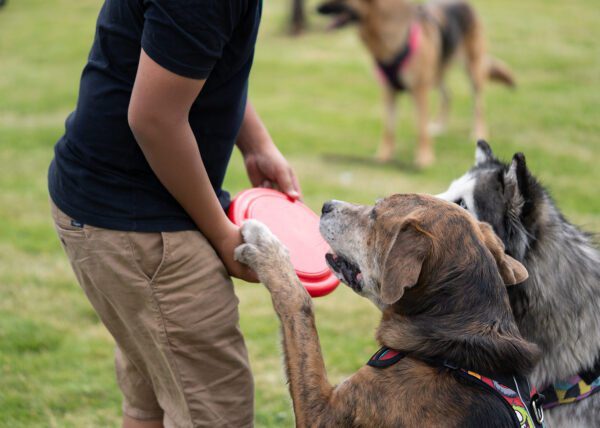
450 365
536 402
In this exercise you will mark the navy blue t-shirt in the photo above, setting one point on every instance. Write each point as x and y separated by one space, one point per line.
99 175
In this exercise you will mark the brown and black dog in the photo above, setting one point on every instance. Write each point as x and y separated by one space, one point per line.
439 277
413 45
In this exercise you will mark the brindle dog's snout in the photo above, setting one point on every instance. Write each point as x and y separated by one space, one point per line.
330 206
327 207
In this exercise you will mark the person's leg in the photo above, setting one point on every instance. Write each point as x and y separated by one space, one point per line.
104 267
140 406
199 312
167 300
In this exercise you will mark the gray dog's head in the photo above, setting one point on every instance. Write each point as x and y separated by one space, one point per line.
505 195
405 240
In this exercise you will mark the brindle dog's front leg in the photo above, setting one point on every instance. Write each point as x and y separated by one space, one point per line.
305 369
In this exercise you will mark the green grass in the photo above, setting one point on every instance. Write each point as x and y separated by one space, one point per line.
318 96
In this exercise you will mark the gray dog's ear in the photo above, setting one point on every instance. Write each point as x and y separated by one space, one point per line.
516 184
483 153
404 260
511 271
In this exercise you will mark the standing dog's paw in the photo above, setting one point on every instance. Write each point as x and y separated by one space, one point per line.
424 158
262 251
435 129
385 152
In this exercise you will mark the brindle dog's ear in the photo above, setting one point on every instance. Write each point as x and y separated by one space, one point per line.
404 260
511 271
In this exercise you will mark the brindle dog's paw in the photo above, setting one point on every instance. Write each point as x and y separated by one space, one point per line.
262 251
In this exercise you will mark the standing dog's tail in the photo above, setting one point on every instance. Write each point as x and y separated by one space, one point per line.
499 72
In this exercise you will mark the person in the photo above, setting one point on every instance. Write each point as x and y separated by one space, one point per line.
137 200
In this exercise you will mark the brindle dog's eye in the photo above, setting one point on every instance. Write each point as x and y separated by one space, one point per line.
373 214
461 203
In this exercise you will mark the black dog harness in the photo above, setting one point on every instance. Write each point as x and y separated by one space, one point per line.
573 389
526 410
450 34
390 71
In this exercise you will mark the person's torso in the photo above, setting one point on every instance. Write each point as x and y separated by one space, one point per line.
99 175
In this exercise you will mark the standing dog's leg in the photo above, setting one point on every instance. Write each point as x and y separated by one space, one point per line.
298 17
439 126
477 71
425 156
388 144
305 369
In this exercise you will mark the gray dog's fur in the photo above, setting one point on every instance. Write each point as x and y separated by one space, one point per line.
558 307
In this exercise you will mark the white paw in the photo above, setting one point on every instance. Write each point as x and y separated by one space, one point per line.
261 250
255 232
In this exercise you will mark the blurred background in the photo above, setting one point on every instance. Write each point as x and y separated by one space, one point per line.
318 95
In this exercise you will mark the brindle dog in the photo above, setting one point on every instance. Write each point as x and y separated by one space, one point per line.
413 45
439 277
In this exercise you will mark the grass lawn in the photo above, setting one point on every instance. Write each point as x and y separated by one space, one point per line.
319 98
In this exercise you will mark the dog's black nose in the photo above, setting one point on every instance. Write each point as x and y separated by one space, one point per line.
327 207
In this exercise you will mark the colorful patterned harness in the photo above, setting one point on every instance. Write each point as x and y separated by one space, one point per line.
526 410
573 389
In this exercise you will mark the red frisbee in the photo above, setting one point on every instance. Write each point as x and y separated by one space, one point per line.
297 227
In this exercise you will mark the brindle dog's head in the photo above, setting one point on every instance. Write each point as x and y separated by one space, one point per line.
411 242
437 274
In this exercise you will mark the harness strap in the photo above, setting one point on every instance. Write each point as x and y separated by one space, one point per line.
573 389
525 410
592 374
385 357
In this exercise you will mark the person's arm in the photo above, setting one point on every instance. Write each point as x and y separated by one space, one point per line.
158 117
265 164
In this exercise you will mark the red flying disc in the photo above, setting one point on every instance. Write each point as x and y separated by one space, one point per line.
297 227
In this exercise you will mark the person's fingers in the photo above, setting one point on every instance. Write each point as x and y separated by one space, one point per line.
285 183
253 172
251 275
240 270
295 183
248 274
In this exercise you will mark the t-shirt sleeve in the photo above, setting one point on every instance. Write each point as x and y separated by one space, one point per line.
187 37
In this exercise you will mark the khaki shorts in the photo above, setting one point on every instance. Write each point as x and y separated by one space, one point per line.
168 302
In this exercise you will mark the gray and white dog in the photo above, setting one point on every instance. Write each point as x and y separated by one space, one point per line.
558 307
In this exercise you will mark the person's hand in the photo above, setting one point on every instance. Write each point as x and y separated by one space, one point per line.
267 167
225 246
